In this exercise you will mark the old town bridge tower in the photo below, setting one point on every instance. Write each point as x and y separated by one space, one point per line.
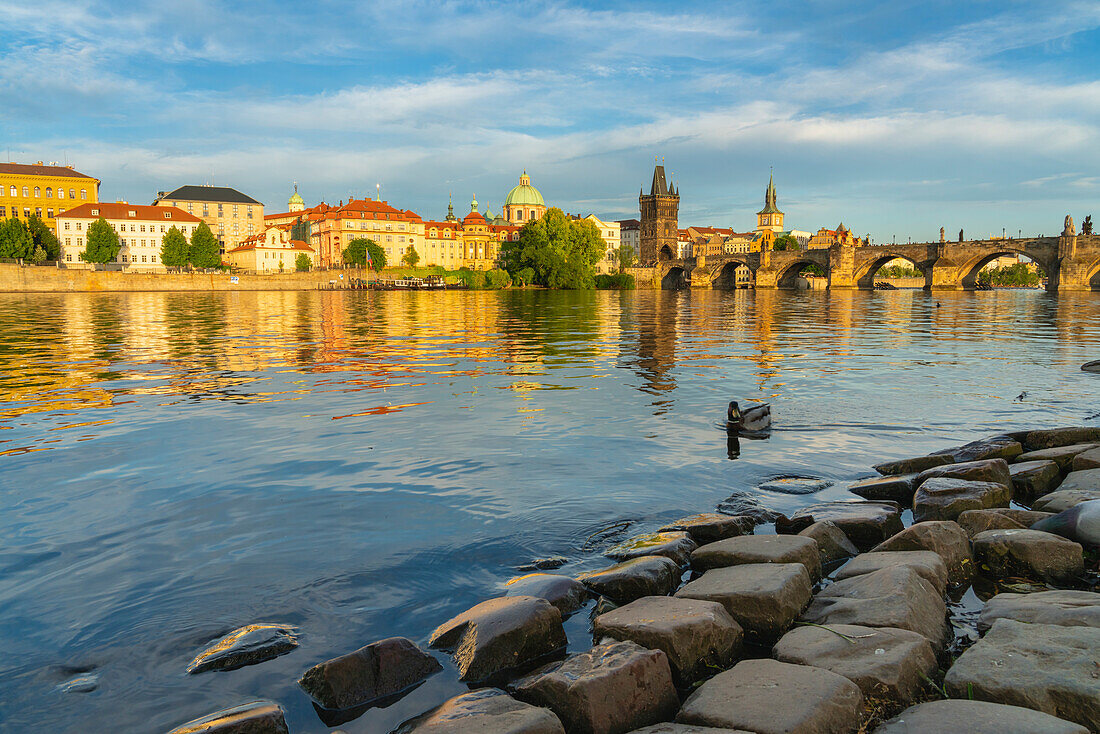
657 234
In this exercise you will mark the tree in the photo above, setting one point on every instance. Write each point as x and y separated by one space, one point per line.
411 257
39 255
302 263
627 257
785 242
561 251
300 230
44 238
103 244
205 252
15 239
174 249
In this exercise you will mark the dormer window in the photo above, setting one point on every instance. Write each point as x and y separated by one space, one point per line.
132 213
167 215
95 212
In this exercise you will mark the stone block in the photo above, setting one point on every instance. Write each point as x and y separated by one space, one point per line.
378 670
255 643
1086 460
676 545
1033 479
913 465
258 717
484 711
894 488
832 544
988 470
1063 456
669 727
975 717
978 521
1067 608
939 536
764 598
1063 499
865 523
710 527
995 447
759 549
567 594
1028 554
1050 438
927 564
945 498
625 582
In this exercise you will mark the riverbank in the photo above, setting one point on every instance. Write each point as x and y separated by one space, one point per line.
16 278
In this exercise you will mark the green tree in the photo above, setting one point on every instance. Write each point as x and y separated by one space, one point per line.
44 238
524 277
561 251
411 257
615 281
39 255
497 278
174 250
357 251
103 244
300 230
302 263
785 242
626 256
15 239
204 251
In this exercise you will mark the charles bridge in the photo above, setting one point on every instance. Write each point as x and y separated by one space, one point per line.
1071 263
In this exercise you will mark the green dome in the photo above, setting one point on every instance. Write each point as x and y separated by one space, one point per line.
525 194
296 198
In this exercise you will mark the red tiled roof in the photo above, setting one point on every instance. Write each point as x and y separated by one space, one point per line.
474 218
109 210
249 244
37 169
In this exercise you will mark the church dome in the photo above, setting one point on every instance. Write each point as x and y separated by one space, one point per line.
296 198
525 194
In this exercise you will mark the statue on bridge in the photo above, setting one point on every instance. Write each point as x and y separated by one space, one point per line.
960 235
942 235
1069 230
1086 225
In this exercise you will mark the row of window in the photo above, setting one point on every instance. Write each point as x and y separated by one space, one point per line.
123 258
26 212
14 191
221 210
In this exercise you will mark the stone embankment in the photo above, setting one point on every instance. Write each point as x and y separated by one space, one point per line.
844 620
16 278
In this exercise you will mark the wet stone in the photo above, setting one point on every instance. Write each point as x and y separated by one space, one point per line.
376 671
1063 456
885 663
248 645
832 544
954 716
895 488
1066 608
1053 437
760 549
611 688
994 471
500 636
795 485
945 498
927 564
865 523
1086 460
1027 518
764 598
484 711
996 447
939 536
770 697
978 521
1064 499
914 465
712 526
676 545
80 684
745 505
258 717
544 564
1027 554
672 728
1033 479
567 594
1046 667
625 582
699 637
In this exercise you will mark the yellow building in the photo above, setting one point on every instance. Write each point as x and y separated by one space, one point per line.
232 216
270 252
829 237
524 202
333 227
295 209
140 229
43 190
472 243
770 218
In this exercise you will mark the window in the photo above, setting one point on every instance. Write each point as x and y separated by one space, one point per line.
37 192
205 210
61 193
72 193
49 193
3 212
38 211
69 257
153 258
190 208
519 214
143 228
167 215
49 213
26 191
12 191
162 228
250 212
234 211
143 258
219 210
79 226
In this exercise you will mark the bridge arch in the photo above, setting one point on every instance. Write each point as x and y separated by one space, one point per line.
968 271
1093 276
674 279
788 276
865 274
725 276
666 253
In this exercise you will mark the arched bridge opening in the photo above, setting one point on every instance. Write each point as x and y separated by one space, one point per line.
878 270
733 275
666 253
675 279
985 272
1094 277
790 277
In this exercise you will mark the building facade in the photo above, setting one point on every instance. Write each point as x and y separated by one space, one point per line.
659 210
770 218
629 231
392 229
474 242
140 229
232 216
44 191
271 252
825 238
523 203
611 234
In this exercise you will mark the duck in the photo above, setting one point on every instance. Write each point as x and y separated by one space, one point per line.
1080 523
752 418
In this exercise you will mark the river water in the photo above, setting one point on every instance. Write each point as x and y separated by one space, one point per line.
363 465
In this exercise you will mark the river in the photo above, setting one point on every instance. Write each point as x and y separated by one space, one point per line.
363 465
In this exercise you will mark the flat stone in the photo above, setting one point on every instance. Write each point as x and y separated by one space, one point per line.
712 526
1063 456
1067 608
567 594
258 717
1093 366
1027 518
885 663
832 544
742 504
914 465
795 485
895 488
926 563
987 470
247 645
676 545
379 670
612 688
698 636
764 598
939 536
1029 554
995 447
895 596
484 711
770 697
668 727
954 716
1063 499
1050 438
544 564
500 635
1046 667
1086 460
1033 479
945 498
865 523
625 582
759 549
978 521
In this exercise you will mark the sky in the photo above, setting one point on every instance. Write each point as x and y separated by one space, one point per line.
896 118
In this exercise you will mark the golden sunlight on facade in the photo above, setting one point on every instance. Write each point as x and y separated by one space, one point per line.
140 229
43 191
271 252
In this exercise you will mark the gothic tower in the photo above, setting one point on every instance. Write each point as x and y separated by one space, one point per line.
769 217
657 233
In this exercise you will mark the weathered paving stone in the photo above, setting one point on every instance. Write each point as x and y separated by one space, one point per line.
1033 479
500 635
975 717
885 663
676 545
669 727
710 527
945 498
1050 438
770 697
1086 460
764 598
699 637
1046 667
1067 608
625 582
896 596
865 523
759 549
378 670
978 521
914 465
1063 456
247 645
988 470
832 544
258 717
895 488
612 688
567 594
926 563
996 447
1028 554
484 711
944 537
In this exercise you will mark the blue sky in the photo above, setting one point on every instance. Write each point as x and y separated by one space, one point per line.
896 117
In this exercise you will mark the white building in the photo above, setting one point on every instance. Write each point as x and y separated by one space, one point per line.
610 234
270 252
630 234
140 229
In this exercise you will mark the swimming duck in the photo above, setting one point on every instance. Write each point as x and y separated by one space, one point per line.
1080 523
752 418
